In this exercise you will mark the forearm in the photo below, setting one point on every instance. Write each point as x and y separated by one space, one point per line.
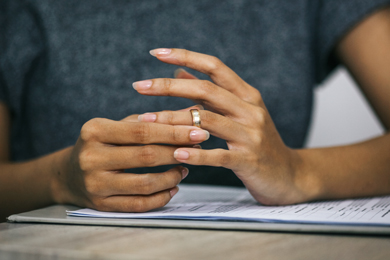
30 185
357 170
362 169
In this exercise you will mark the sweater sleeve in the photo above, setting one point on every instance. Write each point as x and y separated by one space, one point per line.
20 44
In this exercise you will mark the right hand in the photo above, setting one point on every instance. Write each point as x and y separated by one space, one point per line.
94 174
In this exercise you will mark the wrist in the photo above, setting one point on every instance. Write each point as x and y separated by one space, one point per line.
59 191
307 182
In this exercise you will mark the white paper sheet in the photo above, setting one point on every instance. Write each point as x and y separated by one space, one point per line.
236 204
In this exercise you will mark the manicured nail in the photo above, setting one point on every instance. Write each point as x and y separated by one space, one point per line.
147 117
181 154
177 72
142 85
199 135
174 191
184 172
160 52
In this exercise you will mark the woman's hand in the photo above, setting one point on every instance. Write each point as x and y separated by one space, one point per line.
93 174
256 154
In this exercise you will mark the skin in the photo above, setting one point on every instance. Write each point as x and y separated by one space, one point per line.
90 173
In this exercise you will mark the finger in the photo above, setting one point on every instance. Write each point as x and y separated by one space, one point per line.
210 94
127 157
197 106
131 118
137 203
151 117
221 74
182 74
215 157
122 133
113 183
218 125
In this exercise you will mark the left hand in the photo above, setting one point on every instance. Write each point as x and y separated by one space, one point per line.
256 154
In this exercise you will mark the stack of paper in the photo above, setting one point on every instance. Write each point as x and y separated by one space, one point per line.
236 204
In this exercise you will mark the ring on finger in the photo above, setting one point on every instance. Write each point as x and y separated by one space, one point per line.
195 117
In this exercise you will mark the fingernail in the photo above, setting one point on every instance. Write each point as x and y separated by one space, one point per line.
184 172
142 85
173 191
181 154
147 117
177 72
197 146
160 52
199 135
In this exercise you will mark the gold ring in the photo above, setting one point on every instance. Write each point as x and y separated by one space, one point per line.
195 117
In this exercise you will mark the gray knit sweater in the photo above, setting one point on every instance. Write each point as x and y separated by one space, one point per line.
63 62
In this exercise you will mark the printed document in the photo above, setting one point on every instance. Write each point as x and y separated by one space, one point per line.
202 202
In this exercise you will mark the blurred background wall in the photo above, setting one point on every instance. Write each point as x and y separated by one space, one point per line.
341 114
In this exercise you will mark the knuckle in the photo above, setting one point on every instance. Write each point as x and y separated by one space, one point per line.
215 64
177 136
138 205
148 155
185 59
210 118
91 185
207 116
206 88
100 204
170 118
199 157
253 96
90 130
224 159
257 98
141 133
256 137
260 116
145 184
85 160
167 85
